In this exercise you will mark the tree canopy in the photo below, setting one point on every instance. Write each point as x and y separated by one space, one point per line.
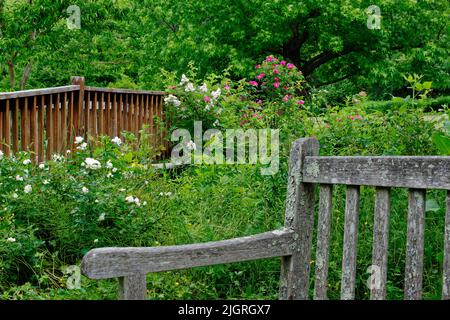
127 42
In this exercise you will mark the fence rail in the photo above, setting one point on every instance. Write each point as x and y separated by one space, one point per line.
46 121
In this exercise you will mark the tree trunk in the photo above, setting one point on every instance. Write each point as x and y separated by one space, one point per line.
12 76
26 75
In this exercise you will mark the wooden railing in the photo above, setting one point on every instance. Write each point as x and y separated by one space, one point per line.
46 121
294 242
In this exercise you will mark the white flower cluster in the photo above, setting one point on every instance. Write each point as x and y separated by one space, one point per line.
189 87
117 141
26 162
203 88
1 154
92 164
79 140
167 194
135 200
184 80
27 189
11 239
216 94
173 100
57 158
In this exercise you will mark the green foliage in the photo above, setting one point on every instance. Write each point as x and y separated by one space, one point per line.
329 42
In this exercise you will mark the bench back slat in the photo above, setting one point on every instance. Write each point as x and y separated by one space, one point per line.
446 266
398 171
415 244
350 243
323 241
380 244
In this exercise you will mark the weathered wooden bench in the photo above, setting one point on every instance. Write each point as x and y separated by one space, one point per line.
293 243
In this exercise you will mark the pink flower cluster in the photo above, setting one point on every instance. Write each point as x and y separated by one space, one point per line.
357 117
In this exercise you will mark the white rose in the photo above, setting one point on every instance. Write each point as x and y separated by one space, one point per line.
27 189
79 140
117 141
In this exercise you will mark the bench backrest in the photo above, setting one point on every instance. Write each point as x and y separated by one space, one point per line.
293 243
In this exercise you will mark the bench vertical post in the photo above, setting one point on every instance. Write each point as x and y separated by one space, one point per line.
446 265
415 244
133 287
380 242
300 218
350 243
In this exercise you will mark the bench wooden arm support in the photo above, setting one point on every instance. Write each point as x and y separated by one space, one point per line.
131 265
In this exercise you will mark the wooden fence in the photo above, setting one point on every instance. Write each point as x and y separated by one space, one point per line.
46 121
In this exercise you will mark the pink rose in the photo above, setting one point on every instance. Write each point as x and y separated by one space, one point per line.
259 101
283 63
227 87
276 71
290 66
260 76
253 83
300 102
269 59
286 98
207 99
257 66
277 79
276 85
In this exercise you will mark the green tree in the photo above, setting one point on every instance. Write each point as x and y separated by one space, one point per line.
329 41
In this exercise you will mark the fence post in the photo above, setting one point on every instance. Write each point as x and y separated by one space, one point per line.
78 109
300 218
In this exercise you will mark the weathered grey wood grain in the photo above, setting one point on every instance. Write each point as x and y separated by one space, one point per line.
323 241
104 263
112 90
414 245
299 218
408 172
37 92
133 287
380 244
446 266
350 243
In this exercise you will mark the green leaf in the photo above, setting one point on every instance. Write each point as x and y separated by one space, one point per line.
427 85
128 157
442 142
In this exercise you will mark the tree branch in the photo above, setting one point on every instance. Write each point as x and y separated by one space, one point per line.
334 80
324 57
